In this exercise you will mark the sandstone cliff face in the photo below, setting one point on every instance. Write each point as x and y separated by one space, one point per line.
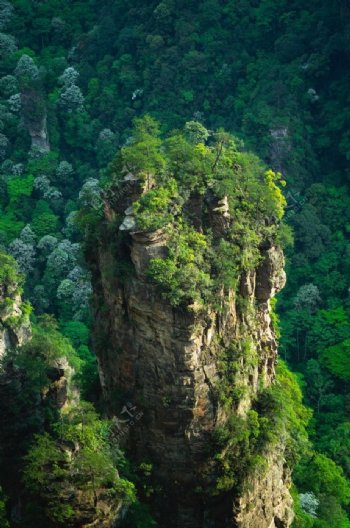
267 502
165 362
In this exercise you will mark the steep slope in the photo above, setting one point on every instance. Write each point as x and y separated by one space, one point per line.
183 327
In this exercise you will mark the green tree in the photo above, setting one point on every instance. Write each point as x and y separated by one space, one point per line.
323 476
143 156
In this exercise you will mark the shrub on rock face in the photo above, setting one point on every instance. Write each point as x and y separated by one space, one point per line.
10 279
73 470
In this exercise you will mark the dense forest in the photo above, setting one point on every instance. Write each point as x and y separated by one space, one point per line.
76 80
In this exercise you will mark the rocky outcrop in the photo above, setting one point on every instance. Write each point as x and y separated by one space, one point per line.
35 119
15 327
39 135
164 363
268 501
24 411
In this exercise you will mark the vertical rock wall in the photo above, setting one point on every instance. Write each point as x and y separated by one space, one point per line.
165 362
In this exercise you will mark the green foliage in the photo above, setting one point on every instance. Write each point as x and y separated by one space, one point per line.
268 71
235 362
32 421
44 164
56 473
287 416
26 403
337 359
332 514
238 440
285 236
183 274
197 263
44 221
87 377
11 281
10 227
21 186
323 476
76 331
9 275
275 320
278 201
48 344
45 454
226 264
142 156
156 208
302 519
316 338
190 162
241 445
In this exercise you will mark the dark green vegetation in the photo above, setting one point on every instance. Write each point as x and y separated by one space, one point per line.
275 73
